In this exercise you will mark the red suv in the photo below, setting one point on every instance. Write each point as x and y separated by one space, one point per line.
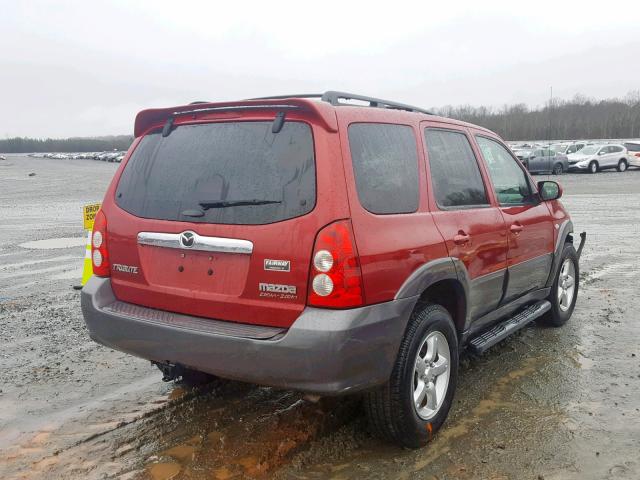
326 246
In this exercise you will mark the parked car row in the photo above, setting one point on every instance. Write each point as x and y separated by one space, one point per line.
113 156
587 156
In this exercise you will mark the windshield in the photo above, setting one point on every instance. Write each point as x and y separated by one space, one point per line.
589 150
230 173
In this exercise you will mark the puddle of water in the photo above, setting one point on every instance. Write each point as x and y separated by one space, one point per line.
52 243
163 471
264 430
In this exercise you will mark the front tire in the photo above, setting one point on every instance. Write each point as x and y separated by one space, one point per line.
557 169
593 167
622 165
412 406
564 292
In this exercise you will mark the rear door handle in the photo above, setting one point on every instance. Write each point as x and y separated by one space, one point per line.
516 228
461 238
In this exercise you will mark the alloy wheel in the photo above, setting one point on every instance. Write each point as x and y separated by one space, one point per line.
431 375
566 284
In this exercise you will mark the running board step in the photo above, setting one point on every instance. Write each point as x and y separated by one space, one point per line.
488 339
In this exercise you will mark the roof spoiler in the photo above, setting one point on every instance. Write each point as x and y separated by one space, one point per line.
155 116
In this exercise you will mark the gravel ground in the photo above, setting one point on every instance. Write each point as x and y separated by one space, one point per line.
545 404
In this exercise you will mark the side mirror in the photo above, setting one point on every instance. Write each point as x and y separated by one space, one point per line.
601 152
549 190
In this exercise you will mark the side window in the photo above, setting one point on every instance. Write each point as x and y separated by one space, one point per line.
539 153
509 181
615 149
385 164
454 169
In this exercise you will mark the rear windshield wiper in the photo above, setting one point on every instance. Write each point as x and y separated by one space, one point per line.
235 203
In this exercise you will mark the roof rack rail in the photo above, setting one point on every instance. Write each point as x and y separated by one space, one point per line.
335 97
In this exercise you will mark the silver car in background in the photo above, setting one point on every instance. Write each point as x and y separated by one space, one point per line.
594 158
543 160
633 152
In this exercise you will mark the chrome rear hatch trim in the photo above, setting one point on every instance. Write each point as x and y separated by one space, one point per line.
190 240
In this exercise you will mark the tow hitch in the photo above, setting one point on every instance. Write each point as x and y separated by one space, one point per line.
169 370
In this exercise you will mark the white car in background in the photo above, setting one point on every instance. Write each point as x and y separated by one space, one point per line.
633 149
594 158
568 148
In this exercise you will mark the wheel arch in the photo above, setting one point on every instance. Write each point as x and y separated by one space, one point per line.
443 281
565 235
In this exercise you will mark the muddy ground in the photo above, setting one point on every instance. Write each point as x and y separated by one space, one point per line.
545 404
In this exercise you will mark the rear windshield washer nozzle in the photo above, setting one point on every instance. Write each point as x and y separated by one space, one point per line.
166 130
278 122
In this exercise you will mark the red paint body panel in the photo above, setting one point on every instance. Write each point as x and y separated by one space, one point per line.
231 292
486 251
390 247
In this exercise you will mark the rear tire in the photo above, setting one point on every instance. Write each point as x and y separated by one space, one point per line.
593 167
557 169
622 165
564 292
412 406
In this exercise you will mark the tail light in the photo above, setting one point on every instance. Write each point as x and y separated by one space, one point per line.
638 154
336 279
99 253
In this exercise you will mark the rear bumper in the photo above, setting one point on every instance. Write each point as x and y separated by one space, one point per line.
328 352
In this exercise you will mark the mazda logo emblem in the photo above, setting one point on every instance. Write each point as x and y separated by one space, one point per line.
187 239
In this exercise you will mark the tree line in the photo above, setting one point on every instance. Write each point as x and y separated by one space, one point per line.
578 118
78 144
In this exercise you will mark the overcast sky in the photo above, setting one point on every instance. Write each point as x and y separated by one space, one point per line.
76 68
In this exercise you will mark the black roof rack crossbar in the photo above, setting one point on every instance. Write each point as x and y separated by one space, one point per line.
334 98
281 97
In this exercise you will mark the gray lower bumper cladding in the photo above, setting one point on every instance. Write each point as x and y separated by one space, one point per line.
328 352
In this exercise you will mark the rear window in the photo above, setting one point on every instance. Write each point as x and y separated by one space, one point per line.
385 164
228 173
455 174
632 147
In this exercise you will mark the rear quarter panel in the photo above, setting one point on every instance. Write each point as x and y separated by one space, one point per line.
391 246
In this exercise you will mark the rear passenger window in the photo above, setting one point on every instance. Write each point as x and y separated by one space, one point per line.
385 164
509 180
454 170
